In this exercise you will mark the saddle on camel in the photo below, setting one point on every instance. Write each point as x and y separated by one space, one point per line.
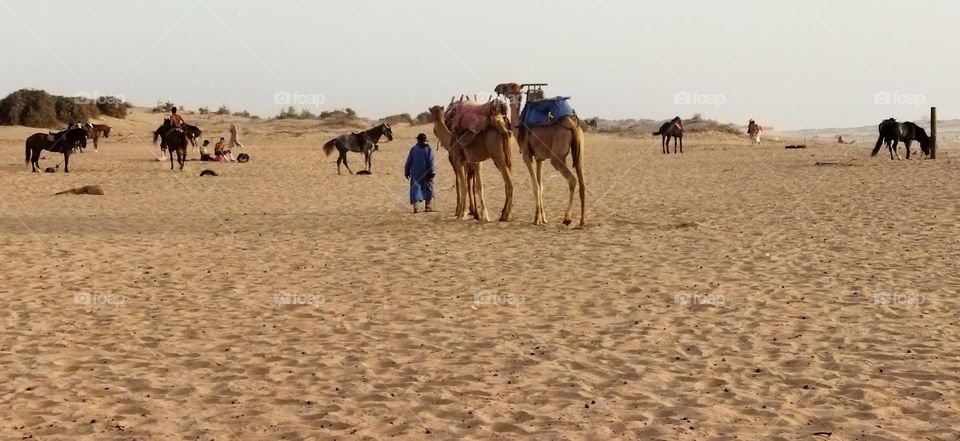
546 112
473 117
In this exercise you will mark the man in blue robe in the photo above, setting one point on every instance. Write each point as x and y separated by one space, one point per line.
420 171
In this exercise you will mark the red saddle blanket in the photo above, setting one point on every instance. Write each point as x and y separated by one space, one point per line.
470 116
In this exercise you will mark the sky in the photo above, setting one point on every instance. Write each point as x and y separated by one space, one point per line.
789 64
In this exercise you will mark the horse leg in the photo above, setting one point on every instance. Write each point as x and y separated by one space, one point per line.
893 149
66 161
182 159
482 214
345 162
663 145
681 143
35 159
906 145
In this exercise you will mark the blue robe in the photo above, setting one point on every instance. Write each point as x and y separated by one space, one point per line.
420 169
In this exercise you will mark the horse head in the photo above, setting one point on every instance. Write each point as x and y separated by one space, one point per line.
386 131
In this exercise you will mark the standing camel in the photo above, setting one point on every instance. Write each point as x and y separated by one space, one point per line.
554 142
442 131
472 149
672 129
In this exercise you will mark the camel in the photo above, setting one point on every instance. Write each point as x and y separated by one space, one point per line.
442 132
493 143
554 142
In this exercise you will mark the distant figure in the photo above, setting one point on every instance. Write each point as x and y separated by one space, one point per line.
234 136
671 129
419 169
754 130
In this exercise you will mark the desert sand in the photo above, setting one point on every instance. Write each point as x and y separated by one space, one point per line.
732 292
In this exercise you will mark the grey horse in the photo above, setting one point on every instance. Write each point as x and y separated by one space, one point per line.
359 142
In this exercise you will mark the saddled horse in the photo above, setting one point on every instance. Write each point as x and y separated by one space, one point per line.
893 132
192 132
365 142
174 140
672 129
63 142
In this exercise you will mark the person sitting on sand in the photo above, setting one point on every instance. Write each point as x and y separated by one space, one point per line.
222 151
419 169
204 153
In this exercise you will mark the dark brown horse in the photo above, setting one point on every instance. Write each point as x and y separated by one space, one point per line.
98 131
365 142
174 140
672 129
893 132
63 142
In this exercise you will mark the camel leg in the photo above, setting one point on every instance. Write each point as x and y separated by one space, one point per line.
462 189
482 214
561 167
536 188
456 185
508 189
471 175
540 210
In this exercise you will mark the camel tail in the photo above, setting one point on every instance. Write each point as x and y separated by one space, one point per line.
329 147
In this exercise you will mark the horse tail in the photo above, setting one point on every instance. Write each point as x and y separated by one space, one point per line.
155 136
329 146
876 149
27 145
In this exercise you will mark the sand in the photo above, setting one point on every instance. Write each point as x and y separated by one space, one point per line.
732 292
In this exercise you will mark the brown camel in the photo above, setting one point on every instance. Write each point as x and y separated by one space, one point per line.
553 142
442 132
470 149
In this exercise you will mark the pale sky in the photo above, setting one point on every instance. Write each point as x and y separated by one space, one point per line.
790 64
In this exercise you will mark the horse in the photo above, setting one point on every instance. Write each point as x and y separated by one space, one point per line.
192 132
754 130
893 132
98 130
64 142
365 142
670 129
175 141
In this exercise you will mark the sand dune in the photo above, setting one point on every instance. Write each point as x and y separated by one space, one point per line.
732 292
